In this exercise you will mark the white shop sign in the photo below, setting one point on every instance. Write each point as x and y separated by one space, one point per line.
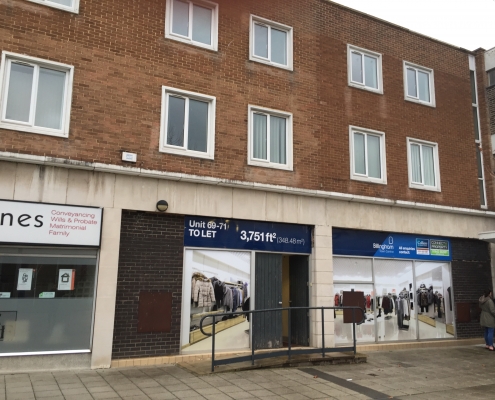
37 223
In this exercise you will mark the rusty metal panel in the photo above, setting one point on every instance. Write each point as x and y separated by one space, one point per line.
154 312
467 312
353 299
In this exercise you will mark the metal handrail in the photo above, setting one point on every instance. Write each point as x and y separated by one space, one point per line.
289 352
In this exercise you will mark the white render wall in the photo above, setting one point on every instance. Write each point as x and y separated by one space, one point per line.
115 192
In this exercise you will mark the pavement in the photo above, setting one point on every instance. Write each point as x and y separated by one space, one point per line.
465 372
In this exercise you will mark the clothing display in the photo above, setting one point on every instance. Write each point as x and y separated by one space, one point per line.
203 293
422 297
403 311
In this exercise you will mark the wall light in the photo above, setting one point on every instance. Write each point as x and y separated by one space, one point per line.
162 206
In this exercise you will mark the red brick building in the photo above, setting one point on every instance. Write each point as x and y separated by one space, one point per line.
261 112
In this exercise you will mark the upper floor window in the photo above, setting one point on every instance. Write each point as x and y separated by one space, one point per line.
35 95
188 123
491 77
364 69
68 5
270 138
368 161
271 43
194 22
419 84
424 170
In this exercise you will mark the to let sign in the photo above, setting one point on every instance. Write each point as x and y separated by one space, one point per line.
247 235
37 223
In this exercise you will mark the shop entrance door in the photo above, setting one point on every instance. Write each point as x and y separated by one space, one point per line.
299 297
267 327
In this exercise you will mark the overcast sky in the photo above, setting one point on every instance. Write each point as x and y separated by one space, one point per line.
465 23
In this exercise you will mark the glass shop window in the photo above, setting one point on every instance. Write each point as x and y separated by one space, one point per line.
46 299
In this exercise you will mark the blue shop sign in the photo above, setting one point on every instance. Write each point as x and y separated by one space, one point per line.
246 235
390 245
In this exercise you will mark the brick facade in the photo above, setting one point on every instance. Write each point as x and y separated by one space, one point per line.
122 59
151 259
471 275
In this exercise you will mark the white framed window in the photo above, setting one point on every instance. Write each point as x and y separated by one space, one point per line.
423 165
419 85
67 5
187 123
269 138
271 43
364 69
368 159
193 21
36 95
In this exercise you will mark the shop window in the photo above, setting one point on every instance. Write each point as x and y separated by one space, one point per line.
424 168
271 43
216 282
403 300
419 84
368 161
270 138
194 22
47 299
434 300
365 69
67 5
36 95
188 123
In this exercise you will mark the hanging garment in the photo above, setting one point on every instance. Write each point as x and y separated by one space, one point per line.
195 277
450 298
368 301
423 298
337 300
227 301
431 296
218 291
203 293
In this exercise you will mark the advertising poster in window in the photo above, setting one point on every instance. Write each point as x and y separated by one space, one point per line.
25 279
66 278
216 282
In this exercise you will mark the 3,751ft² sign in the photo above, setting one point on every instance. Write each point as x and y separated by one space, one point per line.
247 235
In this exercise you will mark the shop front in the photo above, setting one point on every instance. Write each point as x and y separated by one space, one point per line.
234 265
48 274
406 285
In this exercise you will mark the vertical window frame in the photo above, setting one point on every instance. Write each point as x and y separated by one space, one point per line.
169 34
436 164
383 155
364 52
418 68
275 25
183 150
37 63
252 109
74 9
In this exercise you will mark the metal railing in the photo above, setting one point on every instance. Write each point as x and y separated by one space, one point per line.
286 352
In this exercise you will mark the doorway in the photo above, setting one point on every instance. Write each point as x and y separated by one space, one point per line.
281 281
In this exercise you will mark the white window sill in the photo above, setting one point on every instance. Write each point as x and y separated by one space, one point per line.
367 88
424 103
191 42
186 153
266 164
73 10
423 187
270 63
32 129
368 180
